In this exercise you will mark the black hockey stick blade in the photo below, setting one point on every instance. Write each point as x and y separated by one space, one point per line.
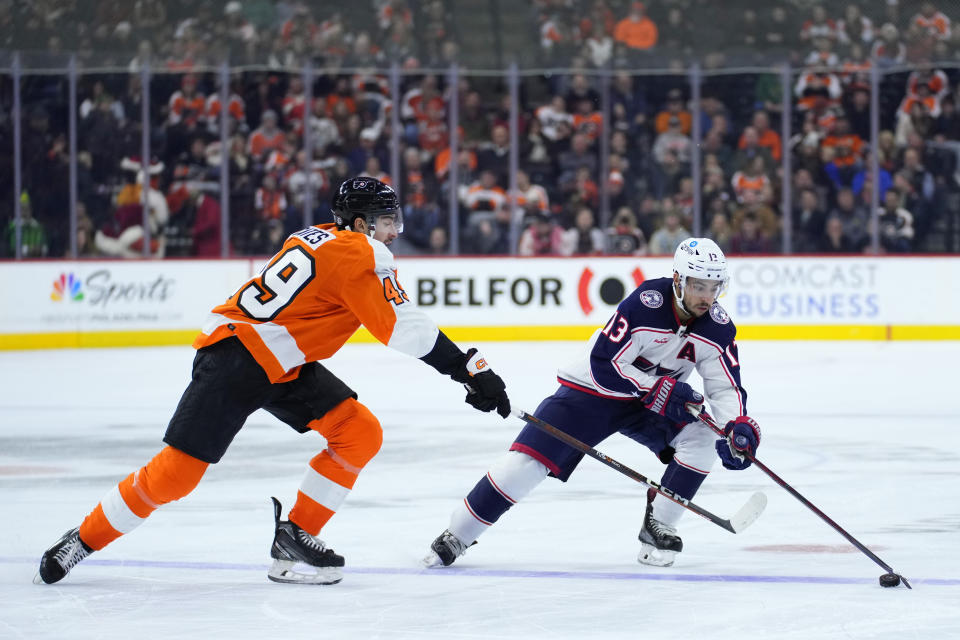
743 518
707 420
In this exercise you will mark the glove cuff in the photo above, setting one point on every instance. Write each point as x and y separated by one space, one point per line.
476 363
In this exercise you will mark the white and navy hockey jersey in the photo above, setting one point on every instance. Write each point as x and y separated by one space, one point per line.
645 340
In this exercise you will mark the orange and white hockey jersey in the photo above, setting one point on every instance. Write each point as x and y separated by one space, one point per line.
312 296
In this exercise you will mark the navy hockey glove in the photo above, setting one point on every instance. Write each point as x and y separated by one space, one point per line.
485 389
743 436
670 398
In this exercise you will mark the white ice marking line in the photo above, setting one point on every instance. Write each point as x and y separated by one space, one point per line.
509 573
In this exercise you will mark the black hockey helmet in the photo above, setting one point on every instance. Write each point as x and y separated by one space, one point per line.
368 198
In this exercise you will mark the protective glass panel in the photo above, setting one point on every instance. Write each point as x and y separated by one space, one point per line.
743 149
424 175
7 229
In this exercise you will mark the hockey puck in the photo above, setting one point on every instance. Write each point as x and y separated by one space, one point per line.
889 580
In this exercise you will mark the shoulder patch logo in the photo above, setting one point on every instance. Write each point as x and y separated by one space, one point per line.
719 314
651 298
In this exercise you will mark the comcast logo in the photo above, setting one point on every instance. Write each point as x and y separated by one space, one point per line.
66 288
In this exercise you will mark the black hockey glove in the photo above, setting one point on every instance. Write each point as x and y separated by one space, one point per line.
671 398
485 389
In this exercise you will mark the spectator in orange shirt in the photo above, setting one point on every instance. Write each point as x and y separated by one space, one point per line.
841 154
530 198
587 120
752 184
556 37
467 165
236 110
270 200
925 89
267 137
936 81
434 133
814 88
766 137
673 109
932 22
294 104
485 195
300 23
342 94
187 104
601 16
636 31
819 26
748 149
585 190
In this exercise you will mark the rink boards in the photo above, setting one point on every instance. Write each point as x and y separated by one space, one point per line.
56 304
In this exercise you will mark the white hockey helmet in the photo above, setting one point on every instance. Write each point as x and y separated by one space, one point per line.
699 258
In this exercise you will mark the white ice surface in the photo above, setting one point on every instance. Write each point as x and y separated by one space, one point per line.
867 431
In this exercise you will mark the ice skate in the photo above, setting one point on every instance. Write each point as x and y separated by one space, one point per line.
659 542
300 558
61 557
444 550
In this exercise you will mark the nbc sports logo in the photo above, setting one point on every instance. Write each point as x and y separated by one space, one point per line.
66 287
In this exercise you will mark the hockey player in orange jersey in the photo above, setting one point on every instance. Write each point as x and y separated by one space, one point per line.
260 349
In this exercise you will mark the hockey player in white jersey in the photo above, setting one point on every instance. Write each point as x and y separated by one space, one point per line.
632 381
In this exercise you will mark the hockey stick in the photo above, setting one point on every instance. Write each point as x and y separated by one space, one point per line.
706 419
742 519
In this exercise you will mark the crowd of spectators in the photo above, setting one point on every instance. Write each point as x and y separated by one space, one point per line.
638 199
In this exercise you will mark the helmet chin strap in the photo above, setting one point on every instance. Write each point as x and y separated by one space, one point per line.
678 292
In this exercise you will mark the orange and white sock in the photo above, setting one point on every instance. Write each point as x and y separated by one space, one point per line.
169 476
353 437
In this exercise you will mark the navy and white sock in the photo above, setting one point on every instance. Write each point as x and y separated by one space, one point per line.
683 480
509 480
